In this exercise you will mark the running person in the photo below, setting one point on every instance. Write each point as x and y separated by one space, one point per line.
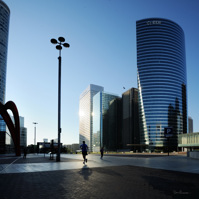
84 149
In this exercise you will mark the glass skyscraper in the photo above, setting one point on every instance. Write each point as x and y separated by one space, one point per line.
101 103
4 29
130 119
162 84
112 128
85 114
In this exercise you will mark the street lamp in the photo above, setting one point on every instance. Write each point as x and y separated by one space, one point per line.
59 45
35 123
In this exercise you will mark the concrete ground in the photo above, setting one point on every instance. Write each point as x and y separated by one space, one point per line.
134 176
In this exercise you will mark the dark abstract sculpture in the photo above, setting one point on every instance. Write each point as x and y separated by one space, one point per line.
14 128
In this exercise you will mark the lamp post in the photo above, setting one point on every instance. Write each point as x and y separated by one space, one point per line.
59 45
35 123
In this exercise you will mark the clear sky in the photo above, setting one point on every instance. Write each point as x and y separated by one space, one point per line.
102 36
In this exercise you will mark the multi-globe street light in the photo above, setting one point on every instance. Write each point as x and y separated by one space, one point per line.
60 43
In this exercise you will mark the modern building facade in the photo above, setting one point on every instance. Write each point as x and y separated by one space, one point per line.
112 127
190 125
72 147
188 142
130 120
4 30
101 103
23 133
162 84
85 114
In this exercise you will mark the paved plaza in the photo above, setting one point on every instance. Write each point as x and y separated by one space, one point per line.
114 176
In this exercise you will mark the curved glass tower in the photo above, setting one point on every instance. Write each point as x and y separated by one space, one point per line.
161 68
4 28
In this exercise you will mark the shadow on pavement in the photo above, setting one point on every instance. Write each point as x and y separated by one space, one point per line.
173 184
85 172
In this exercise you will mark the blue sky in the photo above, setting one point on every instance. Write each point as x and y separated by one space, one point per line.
102 36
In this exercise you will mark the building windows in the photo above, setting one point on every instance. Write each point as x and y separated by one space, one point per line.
85 114
161 79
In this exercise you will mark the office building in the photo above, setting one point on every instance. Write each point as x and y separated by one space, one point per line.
162 84
23 133
4 30
190 125
74 148
188 142
130 120
85 114
4 24
112 127
101 103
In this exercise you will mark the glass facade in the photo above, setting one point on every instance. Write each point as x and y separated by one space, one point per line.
85 114
97 123
113 125
162 84
4 29
23 132
101 103
2 135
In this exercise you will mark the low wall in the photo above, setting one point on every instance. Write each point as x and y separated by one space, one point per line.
193 154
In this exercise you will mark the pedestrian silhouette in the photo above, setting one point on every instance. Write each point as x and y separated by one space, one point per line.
84 149
24 152
102 152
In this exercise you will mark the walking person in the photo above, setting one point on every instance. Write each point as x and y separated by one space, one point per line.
102 152
84 149
24 152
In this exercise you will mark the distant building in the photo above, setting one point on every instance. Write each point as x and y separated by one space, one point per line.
100 120
4 24
23 133
85 114
130 120
112 127
190 124
188 141
55 140
68 146
45 140
74 147
23 136
46 147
